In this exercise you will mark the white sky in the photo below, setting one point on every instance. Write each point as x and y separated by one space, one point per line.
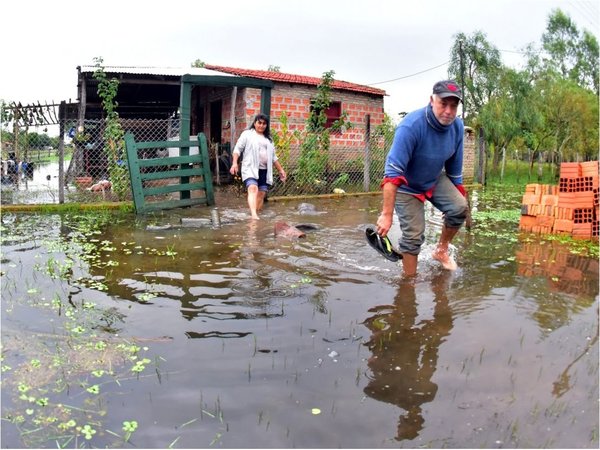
364 42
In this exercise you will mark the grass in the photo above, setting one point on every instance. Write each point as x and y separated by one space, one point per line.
517 173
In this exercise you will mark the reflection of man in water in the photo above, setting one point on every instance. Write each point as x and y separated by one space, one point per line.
405 352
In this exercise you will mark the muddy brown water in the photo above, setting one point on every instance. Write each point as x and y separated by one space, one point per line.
263 342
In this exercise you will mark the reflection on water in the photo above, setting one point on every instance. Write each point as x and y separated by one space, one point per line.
405 348
261 341
563 270
41 187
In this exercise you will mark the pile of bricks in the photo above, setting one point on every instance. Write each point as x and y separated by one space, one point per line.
569 208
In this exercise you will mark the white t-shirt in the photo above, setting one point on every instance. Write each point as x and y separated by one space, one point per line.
262 152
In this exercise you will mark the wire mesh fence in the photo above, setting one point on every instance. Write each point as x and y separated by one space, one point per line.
88 178
31 175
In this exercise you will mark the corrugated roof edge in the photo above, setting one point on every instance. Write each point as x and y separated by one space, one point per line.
215 70
148 70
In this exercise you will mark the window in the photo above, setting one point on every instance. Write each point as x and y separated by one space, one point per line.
333 113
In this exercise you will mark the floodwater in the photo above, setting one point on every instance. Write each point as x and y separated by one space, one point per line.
41 187
230 337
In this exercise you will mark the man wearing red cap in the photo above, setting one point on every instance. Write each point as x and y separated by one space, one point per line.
425 164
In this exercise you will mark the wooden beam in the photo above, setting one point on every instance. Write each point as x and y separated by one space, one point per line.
216 80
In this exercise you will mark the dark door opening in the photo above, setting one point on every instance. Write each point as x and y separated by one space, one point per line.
215 121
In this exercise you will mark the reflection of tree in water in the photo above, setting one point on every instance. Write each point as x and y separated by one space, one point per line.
405 353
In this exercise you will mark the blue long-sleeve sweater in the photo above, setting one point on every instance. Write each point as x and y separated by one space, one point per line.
422 148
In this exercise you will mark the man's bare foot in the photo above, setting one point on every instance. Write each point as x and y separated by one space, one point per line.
255 217
445 259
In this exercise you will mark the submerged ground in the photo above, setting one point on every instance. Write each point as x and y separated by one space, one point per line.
164 332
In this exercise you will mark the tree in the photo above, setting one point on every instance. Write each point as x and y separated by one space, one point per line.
510 112
570 125
476 65
573 54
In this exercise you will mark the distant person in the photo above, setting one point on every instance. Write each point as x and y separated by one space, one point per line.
425 164
258 160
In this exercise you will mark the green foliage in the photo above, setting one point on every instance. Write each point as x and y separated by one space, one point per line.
570 125
198 63
519 172
509 113
283 140
342 180
315 144
573 54
476 64
550 106
113 133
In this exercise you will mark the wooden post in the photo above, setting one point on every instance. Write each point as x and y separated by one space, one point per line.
16 133
367 162
482 156
265 101
185 103
62 118
232 116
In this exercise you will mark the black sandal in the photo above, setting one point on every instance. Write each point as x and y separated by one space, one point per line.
382 245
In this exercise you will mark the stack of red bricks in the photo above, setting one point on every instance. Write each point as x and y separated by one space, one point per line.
569 208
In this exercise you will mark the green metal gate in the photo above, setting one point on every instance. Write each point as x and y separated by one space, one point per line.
184 174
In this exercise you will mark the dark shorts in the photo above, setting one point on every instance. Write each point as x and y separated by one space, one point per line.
261 182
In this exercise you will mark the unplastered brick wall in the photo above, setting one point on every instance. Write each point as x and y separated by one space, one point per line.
295 100
469 156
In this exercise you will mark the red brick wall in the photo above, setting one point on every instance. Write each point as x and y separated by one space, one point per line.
469 156
295 100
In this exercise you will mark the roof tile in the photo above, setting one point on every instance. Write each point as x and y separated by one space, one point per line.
292 78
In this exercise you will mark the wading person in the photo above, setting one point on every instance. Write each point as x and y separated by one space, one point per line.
258 160
425 164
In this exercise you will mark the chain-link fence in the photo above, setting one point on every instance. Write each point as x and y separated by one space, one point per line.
326 168
31 172
31 169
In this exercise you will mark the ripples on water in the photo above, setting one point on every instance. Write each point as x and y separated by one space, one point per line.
501 353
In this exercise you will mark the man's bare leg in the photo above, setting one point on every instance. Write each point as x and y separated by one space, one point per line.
409 264
441 252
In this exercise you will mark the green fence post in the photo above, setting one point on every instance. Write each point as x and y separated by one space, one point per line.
134 172
207 174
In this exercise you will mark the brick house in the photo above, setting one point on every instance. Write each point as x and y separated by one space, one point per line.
292 94
153 96
146 94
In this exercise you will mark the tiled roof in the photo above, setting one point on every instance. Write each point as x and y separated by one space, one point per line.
291 78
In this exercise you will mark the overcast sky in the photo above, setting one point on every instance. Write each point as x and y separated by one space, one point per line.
366 42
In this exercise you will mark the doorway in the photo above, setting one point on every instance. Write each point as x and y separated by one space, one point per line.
216 109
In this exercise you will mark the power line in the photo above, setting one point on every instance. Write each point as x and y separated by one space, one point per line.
584 9
411 75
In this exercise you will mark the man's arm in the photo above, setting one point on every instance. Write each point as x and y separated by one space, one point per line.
384 222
